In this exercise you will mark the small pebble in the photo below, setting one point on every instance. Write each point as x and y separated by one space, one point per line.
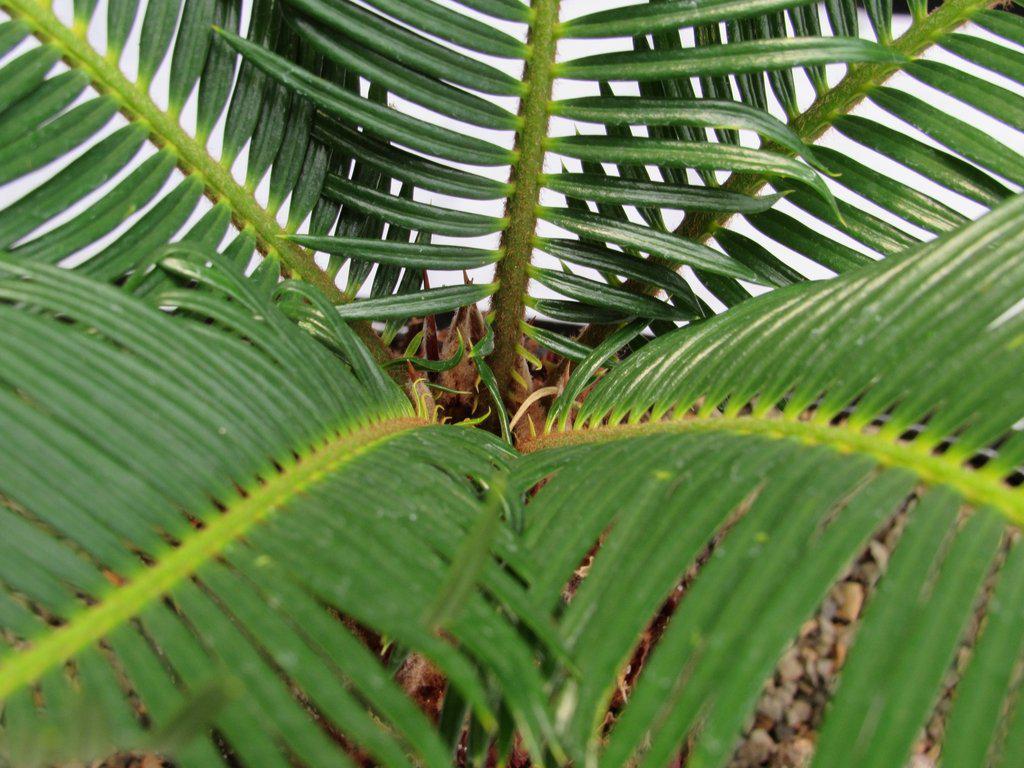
871 573
841 650
757 749
795 754
880 554
772 707
850 599
798 713
790 667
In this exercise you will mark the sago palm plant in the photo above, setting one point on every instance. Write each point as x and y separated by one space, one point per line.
257 510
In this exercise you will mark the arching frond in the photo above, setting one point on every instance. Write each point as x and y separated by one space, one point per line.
783 435
884 216
956 165
229 537
406 60
284 503
656 140
216 479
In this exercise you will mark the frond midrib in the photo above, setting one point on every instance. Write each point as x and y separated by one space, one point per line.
810 125
177 564
192 157
977 487
511 272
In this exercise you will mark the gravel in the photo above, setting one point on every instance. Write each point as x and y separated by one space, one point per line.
784 729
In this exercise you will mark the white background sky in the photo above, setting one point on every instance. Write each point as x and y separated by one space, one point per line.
563 89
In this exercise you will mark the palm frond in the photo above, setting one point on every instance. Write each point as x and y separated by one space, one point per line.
228 535
396 123
229 164
768 446
139 581
838 235
883 216
396 48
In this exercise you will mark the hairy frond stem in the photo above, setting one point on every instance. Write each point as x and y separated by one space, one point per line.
142 589
521 211
977 487
192 157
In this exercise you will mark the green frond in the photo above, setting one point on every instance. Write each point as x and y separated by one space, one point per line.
40 131
230 537
784 434
962 159
418 52
158 576
363 112
757 32
882 310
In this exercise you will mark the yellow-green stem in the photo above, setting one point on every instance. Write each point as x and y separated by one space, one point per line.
142 589
976 486
193 158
